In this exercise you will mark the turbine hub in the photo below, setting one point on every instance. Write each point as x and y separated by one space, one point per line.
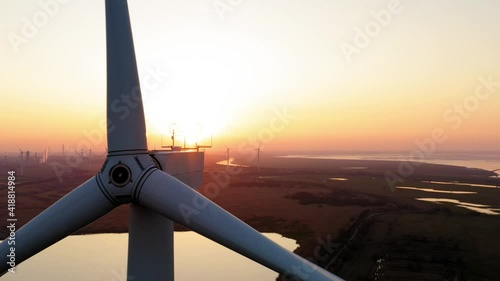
121 176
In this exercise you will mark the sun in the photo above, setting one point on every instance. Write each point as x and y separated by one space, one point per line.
213 77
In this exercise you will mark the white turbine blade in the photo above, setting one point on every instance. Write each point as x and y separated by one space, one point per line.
126 123
177 201
77 209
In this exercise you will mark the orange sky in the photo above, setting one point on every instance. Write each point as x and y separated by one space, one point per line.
228 73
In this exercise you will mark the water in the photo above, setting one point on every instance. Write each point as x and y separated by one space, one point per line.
104 257
479 208
462 183
432 190
482 160
224 163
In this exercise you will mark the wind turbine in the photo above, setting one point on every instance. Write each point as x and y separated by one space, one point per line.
82 151
133 175
258 156
20 159
227 155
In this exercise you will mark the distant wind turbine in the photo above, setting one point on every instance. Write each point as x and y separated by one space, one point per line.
20 159
21 154
258 156
227 154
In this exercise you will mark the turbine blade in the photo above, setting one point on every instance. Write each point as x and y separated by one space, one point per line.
126 123
82 206
178 202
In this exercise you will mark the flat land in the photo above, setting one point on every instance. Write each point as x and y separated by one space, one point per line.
343 213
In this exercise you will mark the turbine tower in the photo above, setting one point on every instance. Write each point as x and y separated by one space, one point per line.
152 184
227 155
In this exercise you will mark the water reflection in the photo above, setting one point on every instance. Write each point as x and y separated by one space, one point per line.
488 161
436 190
224 163
338 179
480 208
462 183
104 257
354 168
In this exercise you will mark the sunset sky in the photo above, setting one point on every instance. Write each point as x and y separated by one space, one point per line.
299 75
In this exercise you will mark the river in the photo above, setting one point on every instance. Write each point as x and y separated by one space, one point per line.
103 257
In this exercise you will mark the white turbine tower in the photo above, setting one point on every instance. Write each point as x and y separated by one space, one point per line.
227 155
133 175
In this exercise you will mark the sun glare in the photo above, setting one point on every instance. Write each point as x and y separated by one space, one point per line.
210 82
